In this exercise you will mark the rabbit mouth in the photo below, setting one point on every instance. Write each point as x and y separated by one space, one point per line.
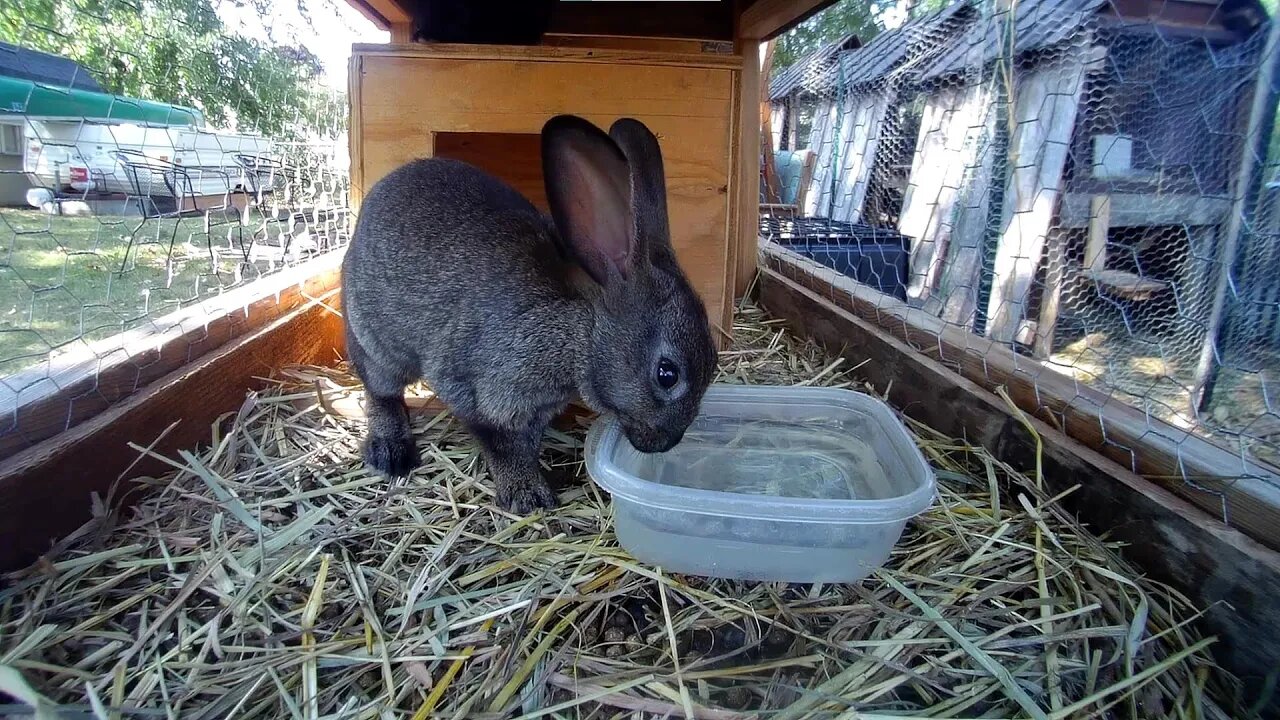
651 440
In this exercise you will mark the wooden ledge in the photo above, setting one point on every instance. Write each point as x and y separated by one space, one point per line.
45 491
548 53
1126 284
39 403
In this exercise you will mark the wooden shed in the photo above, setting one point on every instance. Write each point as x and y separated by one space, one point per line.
1070 455
862 146
1092 123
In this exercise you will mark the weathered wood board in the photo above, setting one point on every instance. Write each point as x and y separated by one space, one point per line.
846 133
1045 106
944 208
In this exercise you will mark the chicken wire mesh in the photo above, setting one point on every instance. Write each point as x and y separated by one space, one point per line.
1091 184
150 159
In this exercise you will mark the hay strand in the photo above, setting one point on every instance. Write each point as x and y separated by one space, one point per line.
270 575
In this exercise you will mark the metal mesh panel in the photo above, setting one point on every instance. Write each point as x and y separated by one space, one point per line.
118 209
1083 182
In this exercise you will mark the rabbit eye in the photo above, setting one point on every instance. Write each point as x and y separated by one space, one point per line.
668 374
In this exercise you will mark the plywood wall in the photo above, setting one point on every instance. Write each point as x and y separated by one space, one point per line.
487 105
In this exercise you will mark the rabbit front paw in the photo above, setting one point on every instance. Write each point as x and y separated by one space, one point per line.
392 456
526 497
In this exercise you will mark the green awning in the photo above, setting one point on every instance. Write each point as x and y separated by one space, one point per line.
24 97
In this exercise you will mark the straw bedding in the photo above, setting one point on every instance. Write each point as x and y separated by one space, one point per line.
271 576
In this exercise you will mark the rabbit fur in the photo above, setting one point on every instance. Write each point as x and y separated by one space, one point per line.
454 277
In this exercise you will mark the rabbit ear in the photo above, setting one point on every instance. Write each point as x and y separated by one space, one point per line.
648 182
589 191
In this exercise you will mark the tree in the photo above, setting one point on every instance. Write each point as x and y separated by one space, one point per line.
177 51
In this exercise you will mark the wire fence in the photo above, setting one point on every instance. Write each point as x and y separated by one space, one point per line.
121 212
1091 184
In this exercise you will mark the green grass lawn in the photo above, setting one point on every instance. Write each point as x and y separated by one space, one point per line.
64 280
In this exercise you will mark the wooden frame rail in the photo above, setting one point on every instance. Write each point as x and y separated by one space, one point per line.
1206 474
42 402
167 388
1235 579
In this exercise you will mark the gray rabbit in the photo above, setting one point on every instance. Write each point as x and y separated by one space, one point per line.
454 277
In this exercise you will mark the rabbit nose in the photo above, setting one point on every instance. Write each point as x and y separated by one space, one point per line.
653 440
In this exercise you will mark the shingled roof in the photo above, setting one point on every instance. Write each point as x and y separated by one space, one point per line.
942 43
915 41
810 71
1037 25
844 64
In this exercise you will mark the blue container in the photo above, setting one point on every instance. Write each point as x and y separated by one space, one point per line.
876 257
881 266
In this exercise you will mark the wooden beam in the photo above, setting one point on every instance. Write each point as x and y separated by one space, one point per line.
49 399
767 19
1127 285
1095 248
1054 279
1142 210
370 14
401 32
691 19
382 13
765 110
392 10
651 44
747 194
1232 578
1195 468
45 491
697 19
543 53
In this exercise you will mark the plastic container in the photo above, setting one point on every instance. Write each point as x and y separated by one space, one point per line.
793 484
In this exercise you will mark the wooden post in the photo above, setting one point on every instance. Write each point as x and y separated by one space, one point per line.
746 249
401 33
1095 249
772 191
1054 276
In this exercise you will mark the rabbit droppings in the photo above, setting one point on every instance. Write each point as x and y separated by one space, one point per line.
454 277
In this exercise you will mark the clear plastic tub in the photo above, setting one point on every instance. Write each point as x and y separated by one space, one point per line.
793 484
